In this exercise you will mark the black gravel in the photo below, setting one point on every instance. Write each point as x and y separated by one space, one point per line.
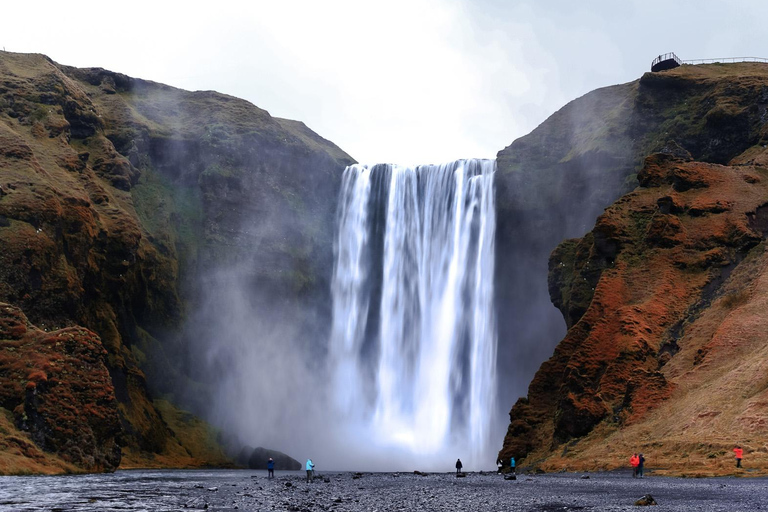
251 490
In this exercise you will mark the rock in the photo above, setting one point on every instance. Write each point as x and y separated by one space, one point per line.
585 477
510 477
461 475
58 386
259 457
646 501
213 489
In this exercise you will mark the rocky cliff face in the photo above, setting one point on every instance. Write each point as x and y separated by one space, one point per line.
116 192
57 386
660 298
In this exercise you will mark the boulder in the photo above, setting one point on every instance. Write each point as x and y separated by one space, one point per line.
646 501
259 457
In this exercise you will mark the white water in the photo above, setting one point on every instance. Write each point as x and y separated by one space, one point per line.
413 341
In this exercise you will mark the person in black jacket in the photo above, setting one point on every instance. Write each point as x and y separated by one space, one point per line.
458 466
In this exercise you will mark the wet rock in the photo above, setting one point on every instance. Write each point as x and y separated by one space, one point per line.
646 501
259 456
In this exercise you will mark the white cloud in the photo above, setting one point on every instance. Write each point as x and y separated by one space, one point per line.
404 80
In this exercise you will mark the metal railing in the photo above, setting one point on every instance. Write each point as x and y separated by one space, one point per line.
724 60
667 56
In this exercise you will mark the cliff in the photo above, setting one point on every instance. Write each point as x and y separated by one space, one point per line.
115 194
661 298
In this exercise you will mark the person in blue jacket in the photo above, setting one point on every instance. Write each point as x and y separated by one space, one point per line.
512 463
271 467
310 470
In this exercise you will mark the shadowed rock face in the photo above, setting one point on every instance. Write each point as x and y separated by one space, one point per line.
115 193
628 288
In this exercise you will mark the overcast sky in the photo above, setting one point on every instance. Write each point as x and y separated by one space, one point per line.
407 81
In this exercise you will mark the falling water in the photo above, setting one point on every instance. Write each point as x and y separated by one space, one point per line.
414 333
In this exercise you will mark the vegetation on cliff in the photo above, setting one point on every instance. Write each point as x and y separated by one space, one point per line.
116 193
661 298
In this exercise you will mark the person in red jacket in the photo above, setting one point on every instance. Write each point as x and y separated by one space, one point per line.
738 452
634 460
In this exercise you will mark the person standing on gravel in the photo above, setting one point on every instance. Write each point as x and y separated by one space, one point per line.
459 465
634 461
310 470
271 468
512 464
738 452
640 464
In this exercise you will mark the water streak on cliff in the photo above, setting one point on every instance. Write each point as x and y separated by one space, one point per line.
414 331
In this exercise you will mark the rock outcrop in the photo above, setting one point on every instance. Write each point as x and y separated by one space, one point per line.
670 271
58 388
258 457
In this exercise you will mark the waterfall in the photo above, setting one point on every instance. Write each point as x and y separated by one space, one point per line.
413 342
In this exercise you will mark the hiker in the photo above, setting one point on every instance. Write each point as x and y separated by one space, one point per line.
738 452
512 463
310 471
634 460
458 466
271 468
640 464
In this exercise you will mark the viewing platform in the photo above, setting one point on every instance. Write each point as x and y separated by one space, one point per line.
671 61
666 61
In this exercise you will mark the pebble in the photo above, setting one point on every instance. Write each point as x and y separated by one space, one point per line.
224 490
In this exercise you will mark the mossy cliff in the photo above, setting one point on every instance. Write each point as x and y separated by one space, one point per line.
662 297
116 192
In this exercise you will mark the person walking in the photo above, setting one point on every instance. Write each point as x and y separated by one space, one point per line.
458 466
640 465
634 460
271 468
739 453
512 464
310 470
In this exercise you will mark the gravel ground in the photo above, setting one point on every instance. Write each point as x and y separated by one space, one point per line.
288 491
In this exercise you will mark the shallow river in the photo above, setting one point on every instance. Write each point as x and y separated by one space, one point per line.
251 490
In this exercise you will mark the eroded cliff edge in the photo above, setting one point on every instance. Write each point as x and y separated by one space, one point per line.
662 298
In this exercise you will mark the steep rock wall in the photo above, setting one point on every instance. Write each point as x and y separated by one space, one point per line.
554 182
654 264
116 193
